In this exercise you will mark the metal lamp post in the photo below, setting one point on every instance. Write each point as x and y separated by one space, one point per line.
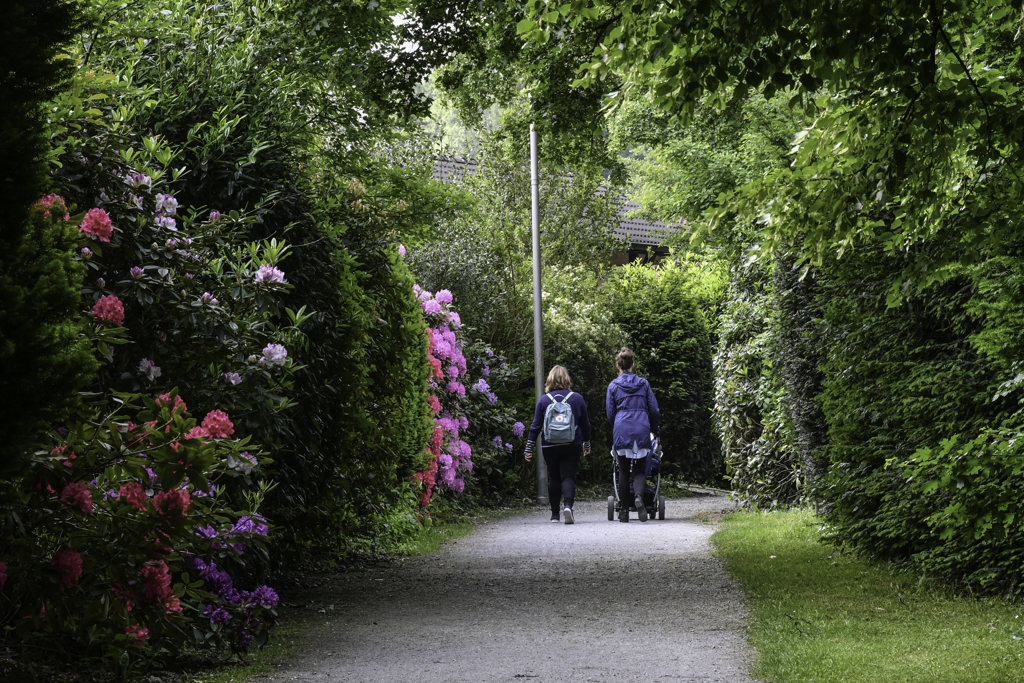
538 314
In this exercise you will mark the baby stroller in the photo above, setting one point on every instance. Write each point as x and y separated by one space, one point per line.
652 500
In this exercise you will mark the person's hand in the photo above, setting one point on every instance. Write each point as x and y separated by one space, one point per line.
586 447
529 451
586 451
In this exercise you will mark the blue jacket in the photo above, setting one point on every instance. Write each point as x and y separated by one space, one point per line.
579 414
632 410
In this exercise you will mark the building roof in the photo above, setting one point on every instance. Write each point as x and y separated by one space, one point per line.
637 231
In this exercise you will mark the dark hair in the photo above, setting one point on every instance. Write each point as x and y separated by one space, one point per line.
625 359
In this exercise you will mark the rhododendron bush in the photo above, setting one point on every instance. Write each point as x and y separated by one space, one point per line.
120 535
469 423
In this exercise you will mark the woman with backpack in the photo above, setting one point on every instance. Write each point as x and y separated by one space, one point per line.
560 419
633 412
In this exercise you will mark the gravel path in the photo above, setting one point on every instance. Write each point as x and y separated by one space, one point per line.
521 598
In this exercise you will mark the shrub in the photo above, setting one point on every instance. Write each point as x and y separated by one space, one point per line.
114 535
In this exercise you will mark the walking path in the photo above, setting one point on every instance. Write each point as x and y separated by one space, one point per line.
524 599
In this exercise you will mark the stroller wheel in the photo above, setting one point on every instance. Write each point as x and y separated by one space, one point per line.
661 507
611 508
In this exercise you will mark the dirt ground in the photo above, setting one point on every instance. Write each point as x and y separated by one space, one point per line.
521 598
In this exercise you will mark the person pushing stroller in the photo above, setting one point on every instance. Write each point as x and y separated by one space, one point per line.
633 412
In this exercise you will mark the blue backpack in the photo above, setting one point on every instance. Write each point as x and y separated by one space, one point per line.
559 423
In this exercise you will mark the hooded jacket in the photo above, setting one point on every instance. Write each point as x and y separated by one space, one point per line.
633 412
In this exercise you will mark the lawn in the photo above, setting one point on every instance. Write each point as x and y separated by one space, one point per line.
822 615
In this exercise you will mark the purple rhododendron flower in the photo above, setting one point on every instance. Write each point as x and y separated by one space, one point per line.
208 298
218 616
166 222
214 215
401 250
136 272
233 378
166 204
518 428
492 398
274 354
270 275
485 371
509 447
443 297
481 386
497 441
266 596
149 369
464 422
456 388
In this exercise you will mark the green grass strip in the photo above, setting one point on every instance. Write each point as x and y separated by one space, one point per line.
821 615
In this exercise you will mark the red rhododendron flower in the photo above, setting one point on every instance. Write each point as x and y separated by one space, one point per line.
157 579
217 424
435 405
109 308
69 564
137 634
172 503
165 400
97 225
134 495
77 494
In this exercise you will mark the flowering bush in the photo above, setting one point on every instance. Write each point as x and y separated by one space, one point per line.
454 400
117 531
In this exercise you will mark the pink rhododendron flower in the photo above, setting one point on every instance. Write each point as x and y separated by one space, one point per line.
137 634
431 306
165 400
197 432
110 309
134 495
401 250
52 202
69 564
217 424
443 297
233 378
435 405
76 494
97 225
173 503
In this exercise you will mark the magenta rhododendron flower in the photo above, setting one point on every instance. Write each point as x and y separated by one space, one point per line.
217 424
173 503
76 494
110 309
137 634
97 225
134 495
401 250
68 564
179 403
443 297
214 216
431 306
197 432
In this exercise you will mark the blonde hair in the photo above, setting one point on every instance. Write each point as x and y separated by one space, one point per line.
558 378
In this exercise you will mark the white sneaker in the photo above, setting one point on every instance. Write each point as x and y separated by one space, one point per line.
567 514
